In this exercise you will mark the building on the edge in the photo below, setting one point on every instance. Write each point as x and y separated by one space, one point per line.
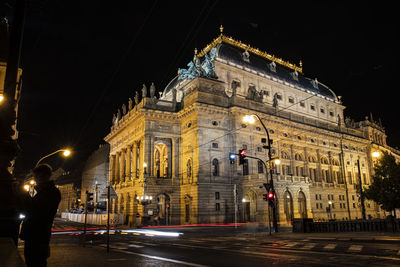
68 184
95 175
169 156
4 49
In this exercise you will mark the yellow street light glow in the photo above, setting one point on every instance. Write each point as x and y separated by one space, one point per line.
277 161
376 154
32 182
26 187
144 165
67 152
1 98
249 119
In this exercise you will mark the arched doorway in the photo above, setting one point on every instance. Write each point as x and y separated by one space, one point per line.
249 206
302 205
161 166
164 209
288 206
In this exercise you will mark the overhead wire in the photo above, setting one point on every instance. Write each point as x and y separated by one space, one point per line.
116 71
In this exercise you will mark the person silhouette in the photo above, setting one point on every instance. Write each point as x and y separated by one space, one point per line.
39 209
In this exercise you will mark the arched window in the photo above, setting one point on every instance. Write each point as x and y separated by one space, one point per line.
288 206
245 167
161 160
302 205
311 159
298 157
189 169
285 155
260 166
335 162
215 167
324 160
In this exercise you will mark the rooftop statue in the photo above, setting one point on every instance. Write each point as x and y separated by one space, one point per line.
199 69
136 98
152 90
144 91
130 104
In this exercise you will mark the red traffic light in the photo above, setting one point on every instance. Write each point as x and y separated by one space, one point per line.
243 152
270 195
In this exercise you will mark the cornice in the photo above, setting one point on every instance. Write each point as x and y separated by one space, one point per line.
229 40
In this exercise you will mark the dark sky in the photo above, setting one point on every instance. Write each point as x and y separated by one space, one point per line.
83 59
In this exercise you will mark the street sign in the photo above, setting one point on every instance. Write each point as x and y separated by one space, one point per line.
112 193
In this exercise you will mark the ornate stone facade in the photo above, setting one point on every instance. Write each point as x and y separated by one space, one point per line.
169 157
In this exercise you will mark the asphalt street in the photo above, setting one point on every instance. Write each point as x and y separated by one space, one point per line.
223 246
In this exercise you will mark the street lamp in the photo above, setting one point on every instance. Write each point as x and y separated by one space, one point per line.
1 98
251 119
66 153
30 187
376 154
330 209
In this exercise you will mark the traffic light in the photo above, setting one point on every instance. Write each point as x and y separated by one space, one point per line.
271 199
242 155
89 196
265 197
232 158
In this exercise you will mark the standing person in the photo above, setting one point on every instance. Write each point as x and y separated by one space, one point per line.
40 210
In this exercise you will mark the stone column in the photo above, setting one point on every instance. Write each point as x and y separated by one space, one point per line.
306 169
175 158
134 159
122 173
112 170
117 167
147 153
319 169
151 156
292 162
330 169
128 173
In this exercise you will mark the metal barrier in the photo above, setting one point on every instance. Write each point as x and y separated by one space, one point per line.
309 226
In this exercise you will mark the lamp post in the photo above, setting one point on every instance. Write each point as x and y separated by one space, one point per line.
250 119
66 153
330 210
361 190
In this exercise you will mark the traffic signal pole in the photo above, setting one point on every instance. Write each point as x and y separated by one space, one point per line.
271 182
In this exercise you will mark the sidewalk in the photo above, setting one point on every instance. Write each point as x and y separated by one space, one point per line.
68 255
380 237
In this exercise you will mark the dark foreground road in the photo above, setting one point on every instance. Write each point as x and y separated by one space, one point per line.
226 247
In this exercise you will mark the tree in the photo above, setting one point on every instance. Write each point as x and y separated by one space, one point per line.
385 187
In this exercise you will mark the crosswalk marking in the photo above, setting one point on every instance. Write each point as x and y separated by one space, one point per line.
330 246
292 244
135 246
355 248
309 246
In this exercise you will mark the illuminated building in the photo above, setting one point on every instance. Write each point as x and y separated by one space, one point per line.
175 149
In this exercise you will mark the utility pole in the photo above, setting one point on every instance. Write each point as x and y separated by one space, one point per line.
108 217
343 167
361 190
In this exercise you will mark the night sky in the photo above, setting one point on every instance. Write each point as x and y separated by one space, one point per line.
83 59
